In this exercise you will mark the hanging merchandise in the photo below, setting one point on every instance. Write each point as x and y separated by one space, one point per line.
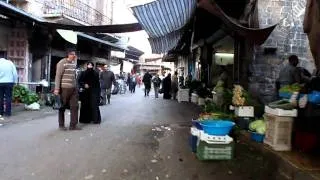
238 99
127 66
115 69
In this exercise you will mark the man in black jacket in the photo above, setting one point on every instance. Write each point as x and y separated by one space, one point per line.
106 80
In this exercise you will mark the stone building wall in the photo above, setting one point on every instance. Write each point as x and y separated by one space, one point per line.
288 38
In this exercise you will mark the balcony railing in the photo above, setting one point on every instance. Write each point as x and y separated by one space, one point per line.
77 10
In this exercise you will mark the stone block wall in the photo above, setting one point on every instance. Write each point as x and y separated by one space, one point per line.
288 38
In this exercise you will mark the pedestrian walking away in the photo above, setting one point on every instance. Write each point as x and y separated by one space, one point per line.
107 78
147 83
89 96
156 85
8 77
66 87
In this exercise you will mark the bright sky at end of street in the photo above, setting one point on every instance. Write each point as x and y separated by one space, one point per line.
122 15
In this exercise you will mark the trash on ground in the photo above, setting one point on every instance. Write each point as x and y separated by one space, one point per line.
154 161
89 176
104 171
33 107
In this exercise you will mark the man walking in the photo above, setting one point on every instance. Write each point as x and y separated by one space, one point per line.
147 83
156 85
8 77
106 80
65 86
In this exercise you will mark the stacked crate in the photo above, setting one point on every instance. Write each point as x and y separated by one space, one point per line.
183 95
209 147
278 132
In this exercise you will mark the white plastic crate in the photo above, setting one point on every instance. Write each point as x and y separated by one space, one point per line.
194 98
281 112
244 111
183 95
195 132
201 101
278 132
210 139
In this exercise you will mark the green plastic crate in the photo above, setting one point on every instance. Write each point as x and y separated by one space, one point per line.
207 151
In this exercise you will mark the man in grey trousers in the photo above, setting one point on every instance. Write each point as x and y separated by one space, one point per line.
106 80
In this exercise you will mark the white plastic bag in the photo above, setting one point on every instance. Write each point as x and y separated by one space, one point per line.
33 107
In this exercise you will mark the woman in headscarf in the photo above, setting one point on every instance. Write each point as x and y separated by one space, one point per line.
89 96
166 86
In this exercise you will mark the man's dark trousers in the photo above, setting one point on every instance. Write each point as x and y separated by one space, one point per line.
6 96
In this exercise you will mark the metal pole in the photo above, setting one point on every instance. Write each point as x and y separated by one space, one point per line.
49 66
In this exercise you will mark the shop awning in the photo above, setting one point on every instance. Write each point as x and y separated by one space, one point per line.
256 35
16 13
213 20
163 21
83 35
68 35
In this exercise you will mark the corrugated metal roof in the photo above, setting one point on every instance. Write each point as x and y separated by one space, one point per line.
163 21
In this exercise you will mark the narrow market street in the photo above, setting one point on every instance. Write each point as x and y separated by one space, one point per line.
139 138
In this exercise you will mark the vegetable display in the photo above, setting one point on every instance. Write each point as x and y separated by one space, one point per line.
214 116
290 88
282 104
258 126
23 95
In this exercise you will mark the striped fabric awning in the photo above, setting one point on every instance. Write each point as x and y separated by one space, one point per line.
163 21
165 43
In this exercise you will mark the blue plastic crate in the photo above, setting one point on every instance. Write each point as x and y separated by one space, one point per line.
257 137
288 95
314 97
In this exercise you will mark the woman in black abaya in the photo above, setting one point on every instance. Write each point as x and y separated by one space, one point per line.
166 87
89 96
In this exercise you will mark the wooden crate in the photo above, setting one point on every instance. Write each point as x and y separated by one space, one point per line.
278 132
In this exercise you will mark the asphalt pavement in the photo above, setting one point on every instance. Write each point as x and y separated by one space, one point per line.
140 138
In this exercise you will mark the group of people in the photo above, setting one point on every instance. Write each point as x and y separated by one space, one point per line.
169 86
92 87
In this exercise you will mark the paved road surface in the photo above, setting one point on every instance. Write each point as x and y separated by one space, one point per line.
124 146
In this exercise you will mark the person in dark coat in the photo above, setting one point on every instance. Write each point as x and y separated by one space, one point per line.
132 83
166 86
89 96
107 78
147 83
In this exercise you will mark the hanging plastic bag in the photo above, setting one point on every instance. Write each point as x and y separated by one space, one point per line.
57 102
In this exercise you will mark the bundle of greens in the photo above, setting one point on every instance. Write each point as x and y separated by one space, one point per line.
23 95
290 88
258 126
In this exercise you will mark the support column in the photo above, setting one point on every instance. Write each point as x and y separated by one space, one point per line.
236 65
